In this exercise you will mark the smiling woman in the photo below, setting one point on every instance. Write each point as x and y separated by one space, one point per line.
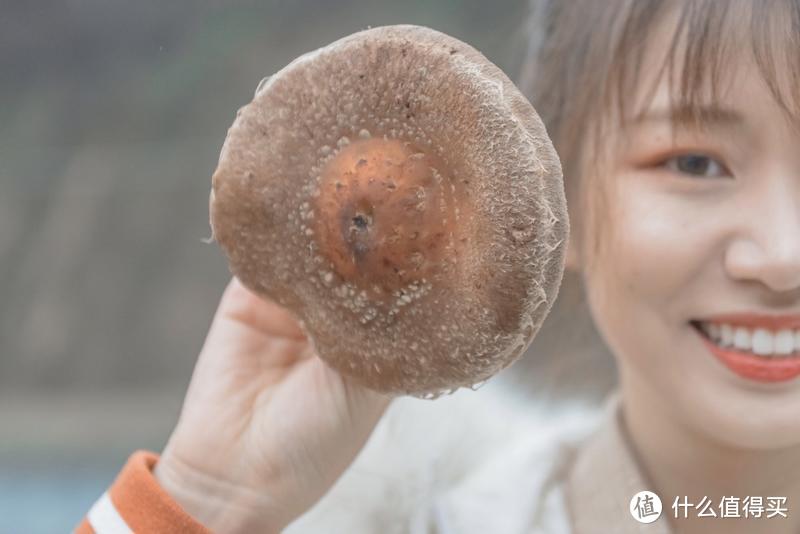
677 126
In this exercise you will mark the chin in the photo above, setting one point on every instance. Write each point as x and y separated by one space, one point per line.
734 411
743 419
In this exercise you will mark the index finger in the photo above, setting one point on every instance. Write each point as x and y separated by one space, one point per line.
240 304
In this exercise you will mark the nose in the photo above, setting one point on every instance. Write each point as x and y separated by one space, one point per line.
768 248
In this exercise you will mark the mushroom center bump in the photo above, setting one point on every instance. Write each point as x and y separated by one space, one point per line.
387 214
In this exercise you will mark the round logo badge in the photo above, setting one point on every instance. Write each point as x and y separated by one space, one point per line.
645 507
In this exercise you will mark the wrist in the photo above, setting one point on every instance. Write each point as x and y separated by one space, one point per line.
220 506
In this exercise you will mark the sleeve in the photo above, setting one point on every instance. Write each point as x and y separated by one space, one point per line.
135 502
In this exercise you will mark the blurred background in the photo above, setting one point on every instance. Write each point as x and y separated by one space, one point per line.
111 122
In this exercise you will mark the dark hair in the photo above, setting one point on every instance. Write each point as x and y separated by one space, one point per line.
585 57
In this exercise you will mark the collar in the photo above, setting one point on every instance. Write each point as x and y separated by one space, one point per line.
604 478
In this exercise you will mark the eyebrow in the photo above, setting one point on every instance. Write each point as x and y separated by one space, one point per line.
685 116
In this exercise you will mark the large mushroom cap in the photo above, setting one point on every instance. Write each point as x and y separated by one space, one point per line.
399 195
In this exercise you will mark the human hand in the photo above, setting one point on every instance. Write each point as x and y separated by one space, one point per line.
266 427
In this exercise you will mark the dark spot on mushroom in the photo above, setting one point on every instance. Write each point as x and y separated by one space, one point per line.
453 51
360 221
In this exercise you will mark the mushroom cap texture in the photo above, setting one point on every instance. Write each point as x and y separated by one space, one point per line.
401 197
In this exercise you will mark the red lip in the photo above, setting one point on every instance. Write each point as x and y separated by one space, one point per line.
758 368
757 320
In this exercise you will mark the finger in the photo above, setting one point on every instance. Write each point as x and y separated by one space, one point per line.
241 305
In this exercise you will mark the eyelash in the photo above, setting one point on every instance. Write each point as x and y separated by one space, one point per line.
721 169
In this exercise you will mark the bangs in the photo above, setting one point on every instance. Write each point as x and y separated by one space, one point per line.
707 43
585 59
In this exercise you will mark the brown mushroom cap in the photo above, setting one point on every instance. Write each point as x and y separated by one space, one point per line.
397 193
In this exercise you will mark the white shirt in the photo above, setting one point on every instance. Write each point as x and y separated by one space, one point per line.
478 463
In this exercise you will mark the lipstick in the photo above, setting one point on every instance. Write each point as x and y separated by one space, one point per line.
746 364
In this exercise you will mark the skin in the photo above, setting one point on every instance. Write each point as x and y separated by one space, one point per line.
679 246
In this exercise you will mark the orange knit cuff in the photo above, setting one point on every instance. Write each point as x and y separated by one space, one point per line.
136 500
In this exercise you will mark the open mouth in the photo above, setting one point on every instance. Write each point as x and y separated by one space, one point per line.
755 358
757 342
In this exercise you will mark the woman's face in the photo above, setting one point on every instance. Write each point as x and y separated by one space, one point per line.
698 229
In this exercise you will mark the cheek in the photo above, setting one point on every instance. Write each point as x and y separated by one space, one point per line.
652 252
644 286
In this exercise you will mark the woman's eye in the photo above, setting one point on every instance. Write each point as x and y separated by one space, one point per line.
696 165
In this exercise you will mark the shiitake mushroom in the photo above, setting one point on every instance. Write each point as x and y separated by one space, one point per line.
398 194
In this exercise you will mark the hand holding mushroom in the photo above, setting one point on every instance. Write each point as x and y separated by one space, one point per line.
395 213
266 427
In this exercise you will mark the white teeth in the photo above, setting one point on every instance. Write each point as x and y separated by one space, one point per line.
762 342
741 339
759 341
726 332
784 342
